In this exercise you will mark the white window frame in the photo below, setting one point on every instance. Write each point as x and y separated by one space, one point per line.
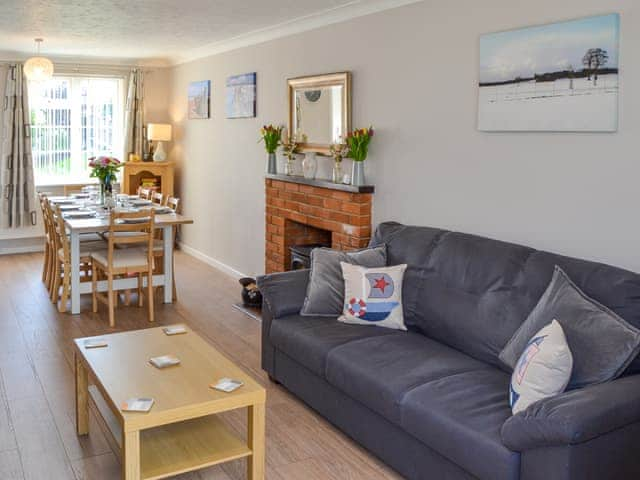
78 175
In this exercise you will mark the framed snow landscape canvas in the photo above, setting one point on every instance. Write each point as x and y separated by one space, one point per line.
557 77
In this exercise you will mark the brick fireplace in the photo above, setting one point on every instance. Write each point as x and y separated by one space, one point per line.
301 212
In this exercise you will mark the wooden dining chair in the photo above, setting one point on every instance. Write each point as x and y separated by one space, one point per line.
157 198
172 203
41 199
114 262
49 243
158 251
62 262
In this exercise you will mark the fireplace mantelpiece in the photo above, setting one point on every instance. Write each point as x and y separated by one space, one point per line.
300 211
321 183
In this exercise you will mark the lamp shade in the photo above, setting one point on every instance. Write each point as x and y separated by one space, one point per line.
159 132
38 69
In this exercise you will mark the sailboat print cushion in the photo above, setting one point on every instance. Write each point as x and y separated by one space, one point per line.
373 296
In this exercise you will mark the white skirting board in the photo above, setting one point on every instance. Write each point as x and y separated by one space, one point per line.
21 245
211 261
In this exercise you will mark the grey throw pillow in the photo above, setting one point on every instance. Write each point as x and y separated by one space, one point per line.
325 292
602 343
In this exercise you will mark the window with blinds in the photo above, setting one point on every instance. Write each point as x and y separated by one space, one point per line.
73 119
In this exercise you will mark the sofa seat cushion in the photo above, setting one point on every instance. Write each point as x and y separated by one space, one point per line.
379 371
460 416
308 340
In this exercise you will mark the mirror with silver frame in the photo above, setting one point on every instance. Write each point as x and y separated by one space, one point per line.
319 110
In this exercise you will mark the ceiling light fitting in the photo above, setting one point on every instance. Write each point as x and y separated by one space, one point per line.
38 69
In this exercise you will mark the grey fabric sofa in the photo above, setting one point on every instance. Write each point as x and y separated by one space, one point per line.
432 402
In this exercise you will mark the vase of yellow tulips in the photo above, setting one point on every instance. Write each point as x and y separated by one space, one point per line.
358 143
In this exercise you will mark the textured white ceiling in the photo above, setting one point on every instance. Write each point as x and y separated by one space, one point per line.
145 29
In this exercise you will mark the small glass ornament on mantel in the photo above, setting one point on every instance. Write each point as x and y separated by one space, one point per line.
309 165
338 151
289 149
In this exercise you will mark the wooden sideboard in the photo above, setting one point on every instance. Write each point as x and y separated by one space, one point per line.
134 172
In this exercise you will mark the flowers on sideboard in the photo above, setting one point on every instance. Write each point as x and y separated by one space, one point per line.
270 135
358 143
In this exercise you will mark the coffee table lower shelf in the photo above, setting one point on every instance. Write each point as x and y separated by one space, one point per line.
175 448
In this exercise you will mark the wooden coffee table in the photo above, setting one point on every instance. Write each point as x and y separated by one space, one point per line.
181 432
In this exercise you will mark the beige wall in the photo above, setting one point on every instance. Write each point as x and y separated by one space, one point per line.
157 91
415 73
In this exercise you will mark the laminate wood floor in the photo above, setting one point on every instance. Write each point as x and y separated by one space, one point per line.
37 433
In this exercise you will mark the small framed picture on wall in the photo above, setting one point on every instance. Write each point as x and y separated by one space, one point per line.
199 99
240 99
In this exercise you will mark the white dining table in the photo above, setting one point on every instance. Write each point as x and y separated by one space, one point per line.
98 224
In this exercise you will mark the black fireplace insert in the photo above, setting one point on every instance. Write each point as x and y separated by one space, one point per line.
301 255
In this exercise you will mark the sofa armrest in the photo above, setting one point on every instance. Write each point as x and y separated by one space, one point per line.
575 416
284 292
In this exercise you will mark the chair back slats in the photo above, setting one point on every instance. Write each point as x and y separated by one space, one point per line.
144 193
48 217
172 203
139 227
157 198
60 235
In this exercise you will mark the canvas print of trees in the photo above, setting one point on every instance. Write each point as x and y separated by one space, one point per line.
557 77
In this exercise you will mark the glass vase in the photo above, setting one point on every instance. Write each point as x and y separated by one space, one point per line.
106 189
337 175
309 165
289 166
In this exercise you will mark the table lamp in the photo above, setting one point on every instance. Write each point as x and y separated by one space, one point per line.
159 132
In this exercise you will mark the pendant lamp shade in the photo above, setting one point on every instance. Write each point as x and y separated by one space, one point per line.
38 69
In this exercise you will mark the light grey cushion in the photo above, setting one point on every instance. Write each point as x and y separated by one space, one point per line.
325 292
602 343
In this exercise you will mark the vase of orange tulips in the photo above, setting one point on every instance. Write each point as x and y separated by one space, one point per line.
358 143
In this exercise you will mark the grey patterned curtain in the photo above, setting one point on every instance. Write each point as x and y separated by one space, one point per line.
17 187
134 115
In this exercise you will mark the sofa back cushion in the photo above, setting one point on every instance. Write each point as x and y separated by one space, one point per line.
473 293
